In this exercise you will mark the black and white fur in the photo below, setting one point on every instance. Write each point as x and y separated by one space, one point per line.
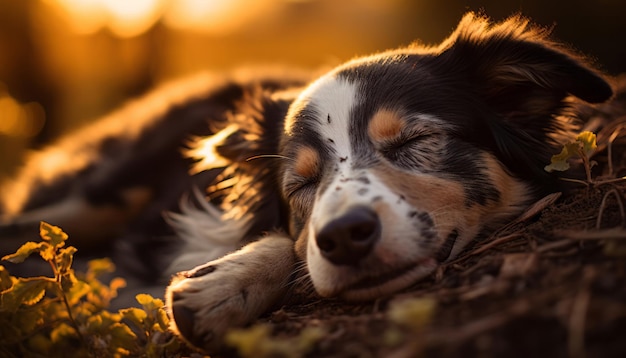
368 176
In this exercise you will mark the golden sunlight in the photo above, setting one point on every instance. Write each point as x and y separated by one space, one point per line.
20 120
205 152
123 17
128 18
131 18
213 16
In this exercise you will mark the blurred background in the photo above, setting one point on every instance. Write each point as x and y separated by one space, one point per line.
63 63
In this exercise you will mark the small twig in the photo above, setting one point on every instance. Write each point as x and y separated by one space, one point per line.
492 244
577 181
603 206
554 245
537 207
578 316
531 211
586 165
493 321
610 181
66 303
609 147
612 234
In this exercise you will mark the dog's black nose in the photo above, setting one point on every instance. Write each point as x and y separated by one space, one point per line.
349 238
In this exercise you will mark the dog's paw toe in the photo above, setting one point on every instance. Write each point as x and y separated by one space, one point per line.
205 302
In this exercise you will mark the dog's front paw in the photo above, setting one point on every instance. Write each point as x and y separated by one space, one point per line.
229 292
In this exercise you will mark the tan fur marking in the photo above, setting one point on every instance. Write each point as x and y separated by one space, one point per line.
385 124
307 162
444 199
301 243
513 193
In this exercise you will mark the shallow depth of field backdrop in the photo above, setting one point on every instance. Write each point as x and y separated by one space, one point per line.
64 63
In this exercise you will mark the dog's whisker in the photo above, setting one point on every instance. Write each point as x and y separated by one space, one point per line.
273 156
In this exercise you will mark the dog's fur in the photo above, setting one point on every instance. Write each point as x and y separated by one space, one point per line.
378 171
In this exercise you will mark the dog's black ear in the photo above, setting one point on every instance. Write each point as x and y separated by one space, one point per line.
522 83
514 56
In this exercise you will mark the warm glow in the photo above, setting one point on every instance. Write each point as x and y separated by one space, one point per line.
204 150
20 120
128 18
84 16
132 17
125 18
213 16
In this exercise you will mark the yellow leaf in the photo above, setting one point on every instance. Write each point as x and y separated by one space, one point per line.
122 336
77 291
588 140
53 234
40 344
65 258
100 266
26 250
62 331
6 280
559 161
135 315
415 313
148 302
248 341
48 252
163 320
30 290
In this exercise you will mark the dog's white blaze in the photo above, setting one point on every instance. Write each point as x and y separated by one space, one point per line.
334 99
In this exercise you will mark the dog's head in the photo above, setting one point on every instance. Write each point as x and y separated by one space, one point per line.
398 160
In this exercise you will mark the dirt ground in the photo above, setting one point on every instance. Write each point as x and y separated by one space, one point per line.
551 284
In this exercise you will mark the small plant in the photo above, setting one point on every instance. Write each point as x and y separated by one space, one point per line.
582 147
66 314
257 341
410 317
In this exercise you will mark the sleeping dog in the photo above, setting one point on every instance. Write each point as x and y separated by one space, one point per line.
360 181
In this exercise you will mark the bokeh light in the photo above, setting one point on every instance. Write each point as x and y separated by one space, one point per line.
21 120
128 18
123 17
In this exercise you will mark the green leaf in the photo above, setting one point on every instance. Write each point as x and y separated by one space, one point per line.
62 331
6 280
25 251
30 319
53 234
78 290
48 253
148 302
67 281
123 336
30 290
98 267
249 341
163 320
413 313
65 257
134 315
40 344
257 341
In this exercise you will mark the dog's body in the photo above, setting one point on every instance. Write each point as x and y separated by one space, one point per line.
378 171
